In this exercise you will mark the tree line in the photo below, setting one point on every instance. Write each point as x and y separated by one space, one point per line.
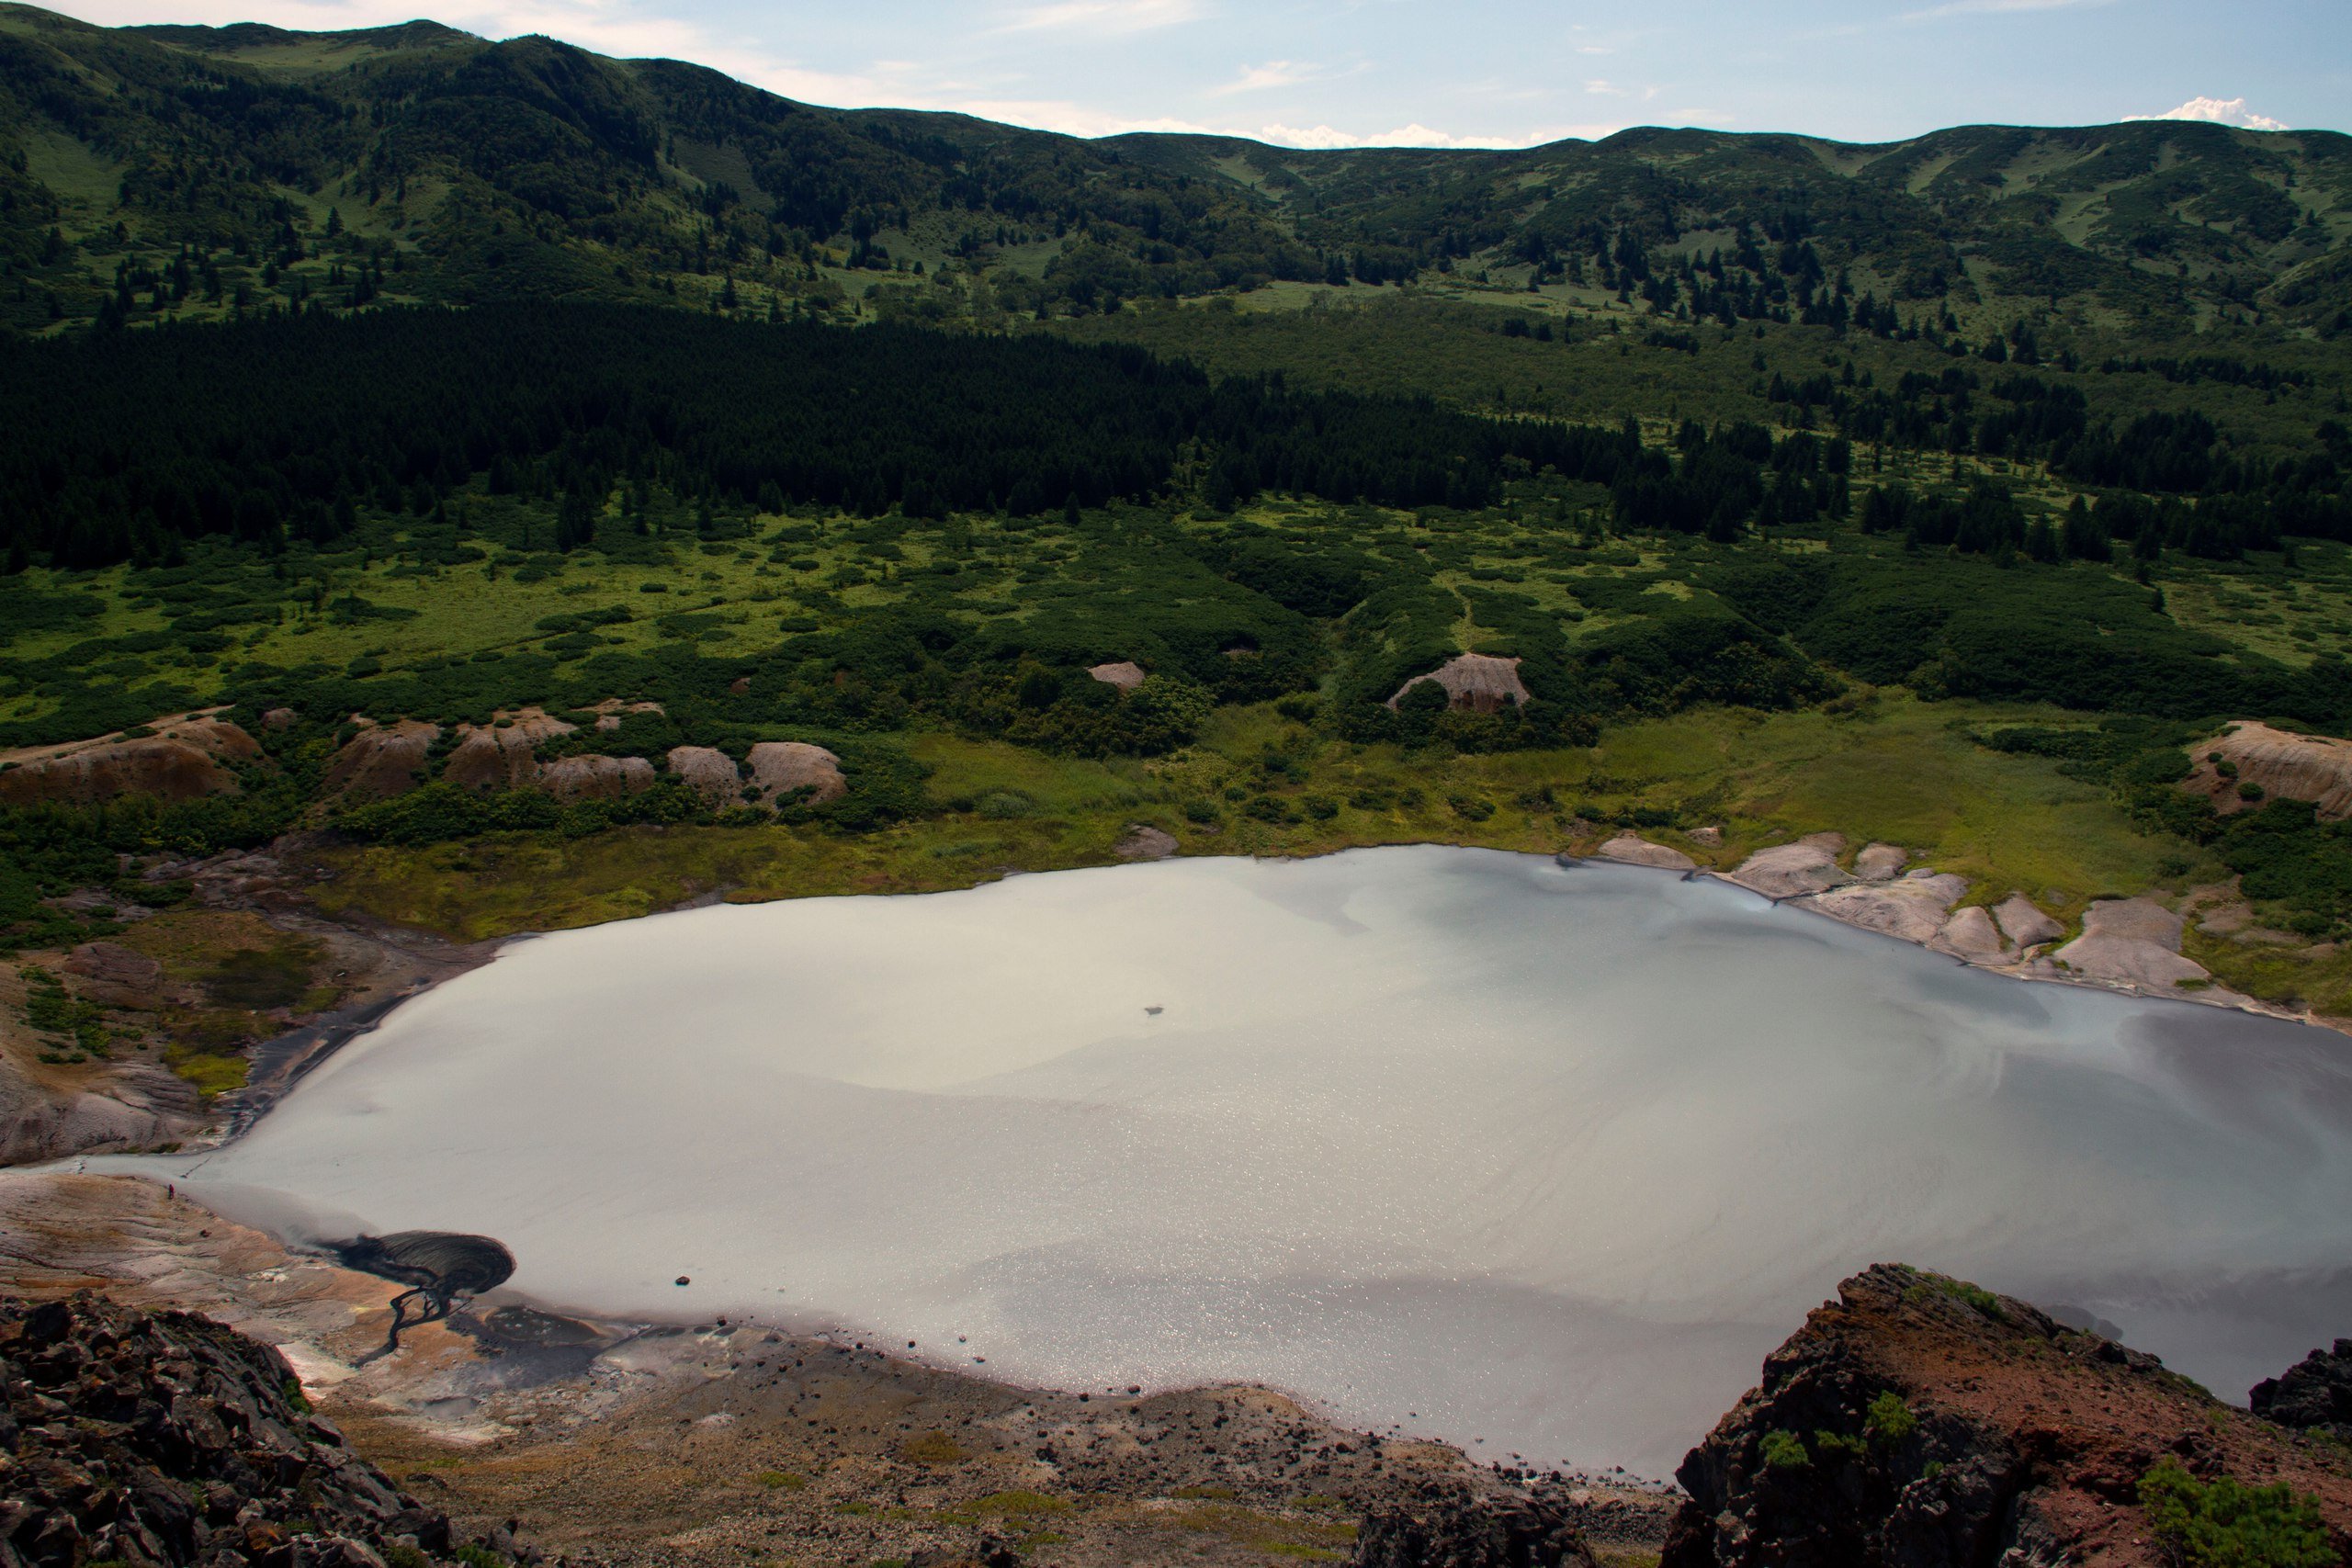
283 427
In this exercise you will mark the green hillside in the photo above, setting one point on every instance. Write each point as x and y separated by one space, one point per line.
183 170
1944 491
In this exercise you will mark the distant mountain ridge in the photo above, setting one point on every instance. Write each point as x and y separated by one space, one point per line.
182 169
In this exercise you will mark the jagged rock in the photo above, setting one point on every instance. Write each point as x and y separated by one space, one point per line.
383 759
1144 842
1630 848
1449 1525
2313 1396
2280 764
186 759
1971 935
1476 680
1912 909
500 755
2024 924
2132 940
780 767
1917 1422
114 976
1879 862
1792 871
596 778
166 1438
1125 675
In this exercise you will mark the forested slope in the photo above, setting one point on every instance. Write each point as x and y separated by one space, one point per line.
166 169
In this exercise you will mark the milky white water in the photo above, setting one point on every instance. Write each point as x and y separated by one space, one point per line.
1470 1142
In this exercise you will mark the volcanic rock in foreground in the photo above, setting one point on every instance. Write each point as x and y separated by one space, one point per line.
1917 1422
1451 1525
2313 1396
162 1437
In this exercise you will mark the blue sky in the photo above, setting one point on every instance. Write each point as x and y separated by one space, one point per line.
1492 72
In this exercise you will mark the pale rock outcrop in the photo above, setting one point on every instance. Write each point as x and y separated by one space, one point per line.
1971 934
1123 674
1144 842
1879 862
1477 681
596 778
1708 838
1913 907
612 710
186 759
710 772
383 759
500 755
781 767
280 718
1792 871
2024 924
2284 765
1630 848
2133 942
42 1120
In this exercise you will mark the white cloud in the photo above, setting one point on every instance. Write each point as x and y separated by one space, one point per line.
1104 15
1273 74
2220 111
1602 87
1323 138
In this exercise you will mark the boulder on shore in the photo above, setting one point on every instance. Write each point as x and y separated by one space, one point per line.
1879 862
2132 941
2023 923
1970 933
1792 871
1912 909
1630 848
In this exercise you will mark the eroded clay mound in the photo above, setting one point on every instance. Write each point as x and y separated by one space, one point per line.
1477 681
779 768
186 759
1921 1421
383 759
710 772
596 778
500 755
2279 763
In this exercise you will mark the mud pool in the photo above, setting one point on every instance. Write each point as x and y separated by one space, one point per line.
1539 1159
